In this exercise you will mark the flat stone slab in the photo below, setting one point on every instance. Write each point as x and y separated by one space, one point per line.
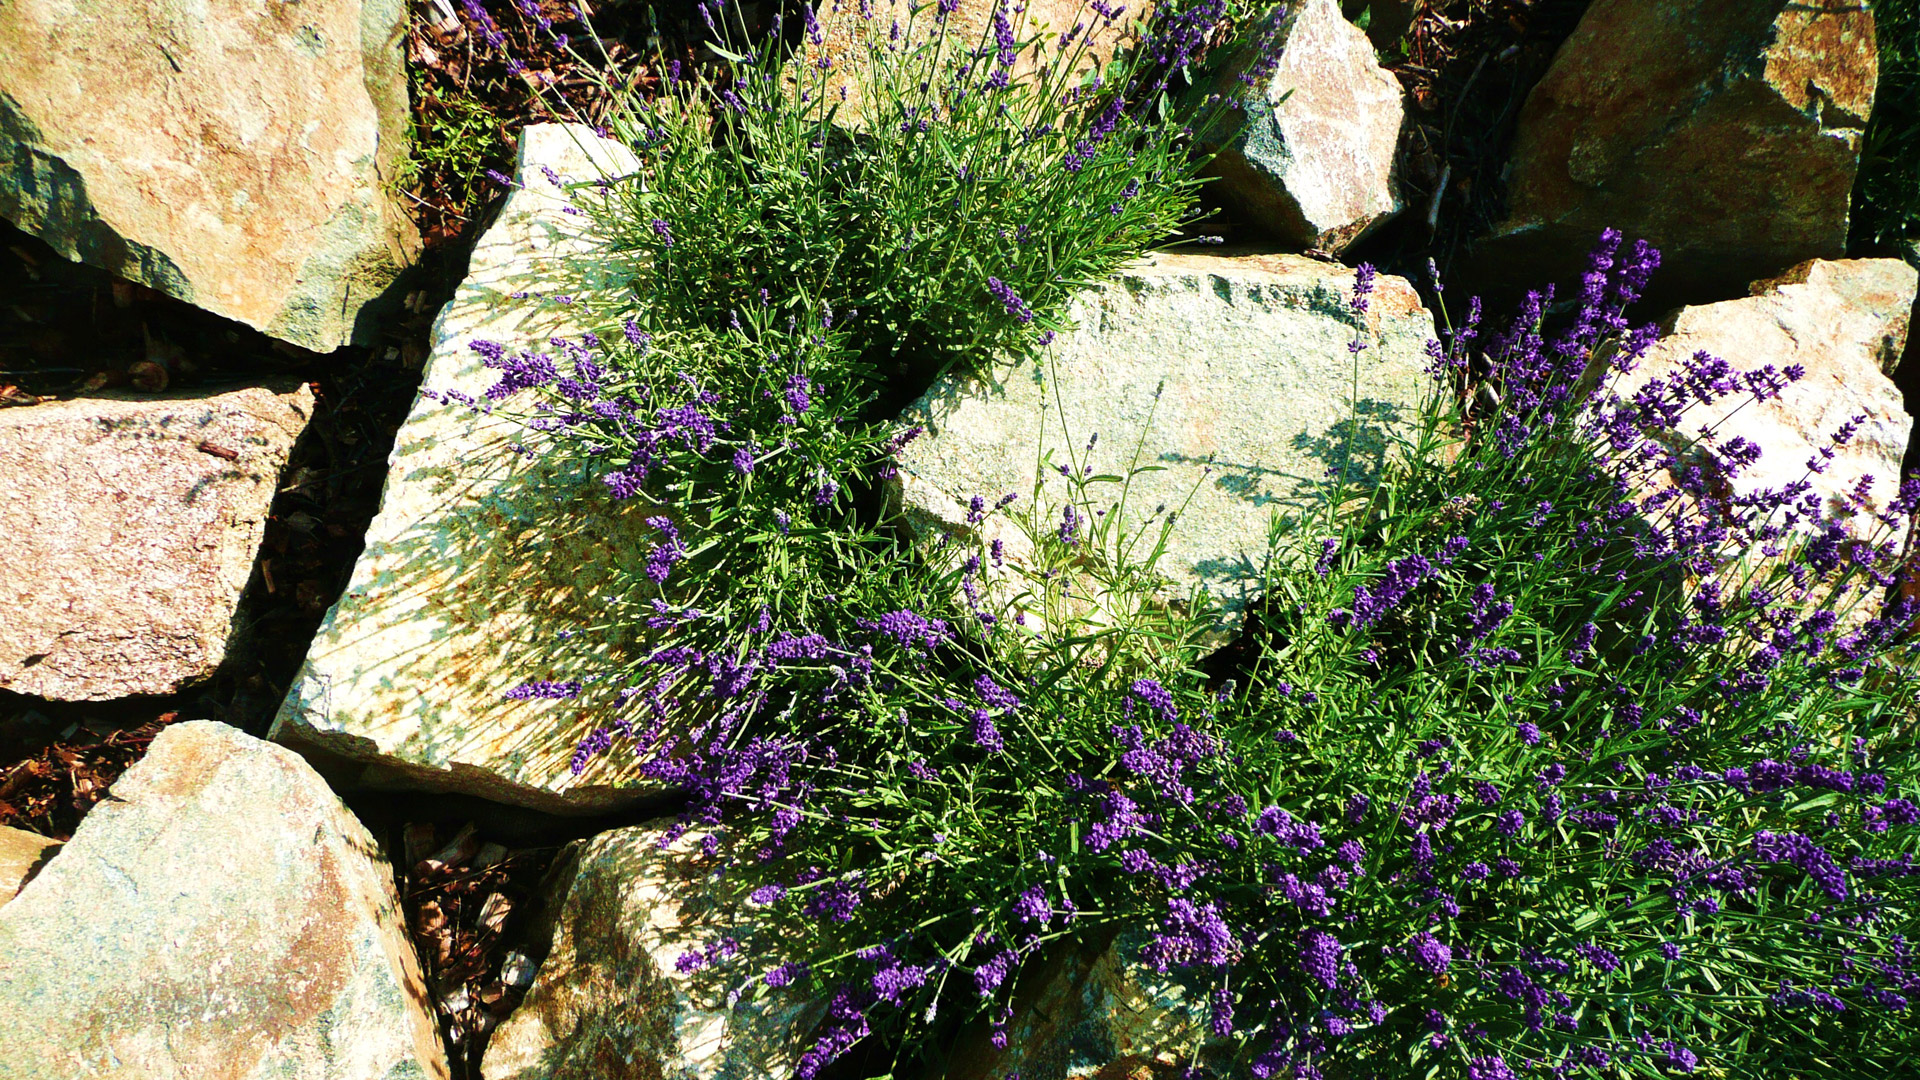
132 526
1230 375
610 1002
237 155
222 915
479 557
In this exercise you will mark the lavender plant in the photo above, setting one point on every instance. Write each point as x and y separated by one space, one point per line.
1563 754
1543 765
941 197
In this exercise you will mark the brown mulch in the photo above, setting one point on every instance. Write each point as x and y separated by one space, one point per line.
50 791
470 903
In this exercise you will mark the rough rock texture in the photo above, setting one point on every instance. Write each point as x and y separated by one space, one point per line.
231 153
845 32
221 917
1241 362
609 1002
1846 324
1312 160
1727 134
1092 1011
131 527
477 556
21 855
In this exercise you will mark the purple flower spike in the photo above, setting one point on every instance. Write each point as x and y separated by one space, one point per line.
1010 300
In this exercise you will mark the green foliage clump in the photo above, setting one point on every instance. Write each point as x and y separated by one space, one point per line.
937 206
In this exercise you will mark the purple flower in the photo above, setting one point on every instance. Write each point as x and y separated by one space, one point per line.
985 735
988 976
665 233
1033 907
1492 1067
1302 836
1362 287
1010 300
1328 549
1510 822
1429 953
1599 957
1069 526
1220 1008
1677 1057
836 899
786 974
661 559
1806 855
1320 954
797 398
895 979
995 695
1191 935
529 691
1154 696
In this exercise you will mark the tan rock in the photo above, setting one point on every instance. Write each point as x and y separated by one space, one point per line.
1727 134
221 917
478 556
1229 376
131 528
1846 324
22 854
236 155
848 26
1311 158
610 1003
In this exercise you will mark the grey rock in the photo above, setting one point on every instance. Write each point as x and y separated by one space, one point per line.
478 556
610 1003
221 917
1311 159
234 155
132 526
1230 376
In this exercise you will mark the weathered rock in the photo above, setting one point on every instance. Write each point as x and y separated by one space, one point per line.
847 26
610 1002
233 154
21 855
131 529
478 556
1230 375
1090 1010
221 917
1727 134
1311 159
1846 324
